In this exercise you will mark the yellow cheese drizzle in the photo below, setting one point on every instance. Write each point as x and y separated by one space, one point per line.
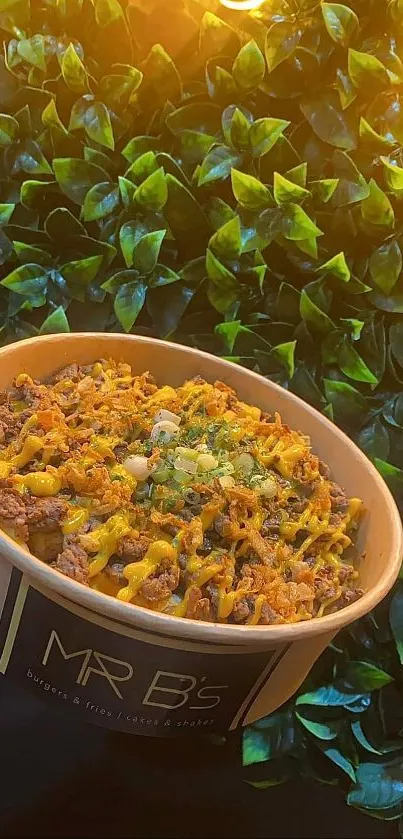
76 517
137 572
108 536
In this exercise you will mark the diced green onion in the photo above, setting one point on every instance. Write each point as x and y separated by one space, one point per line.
182 477
185 465
206 462
189 454
244 464
161 474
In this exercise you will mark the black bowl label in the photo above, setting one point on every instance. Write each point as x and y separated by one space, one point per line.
120 677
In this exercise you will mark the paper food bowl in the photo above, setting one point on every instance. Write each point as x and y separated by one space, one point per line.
140 671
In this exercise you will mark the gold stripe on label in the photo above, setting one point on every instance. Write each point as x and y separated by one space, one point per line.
253 693
14 624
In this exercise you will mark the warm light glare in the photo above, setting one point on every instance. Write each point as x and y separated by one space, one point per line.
242 5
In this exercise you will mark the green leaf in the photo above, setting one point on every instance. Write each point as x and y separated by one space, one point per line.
166 307
129 234
285 354
321 730
98 125
337 266
195 145
378 786
143 166
28 253
352 185
298 174
377 209
353 366
391 474
61 222
79 111
396 621
340 21
366 71
227 242
75 177
304 385
354 325
249 191
9 129
371 139
146 251
286 191
79 274
328 696
220 83
127 190
162 276
6 211
120 278
239 129
27 279
196 116
218 273
50 117
32 50
313 315
228 332
255 747
282 39
31 160
182 211
359 735
220 213
107 12
117 88
153 192
348 403
33 193
160 72
393 176
217 164
361 676
264 133
226 301
100 201
324 189
373 439
249 67
329 122
336 756
385 265
129 302
287 303
73 71
297 225
280 733
272 782
55 323
216 36
137 146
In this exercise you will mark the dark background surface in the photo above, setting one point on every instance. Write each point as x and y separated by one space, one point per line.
66 779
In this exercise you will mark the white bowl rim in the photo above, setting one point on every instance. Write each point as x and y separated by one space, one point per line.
186 628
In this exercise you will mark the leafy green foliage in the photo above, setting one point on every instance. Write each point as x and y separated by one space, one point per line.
347 713
236 188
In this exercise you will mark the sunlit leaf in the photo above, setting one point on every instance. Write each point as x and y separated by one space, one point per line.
340 21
